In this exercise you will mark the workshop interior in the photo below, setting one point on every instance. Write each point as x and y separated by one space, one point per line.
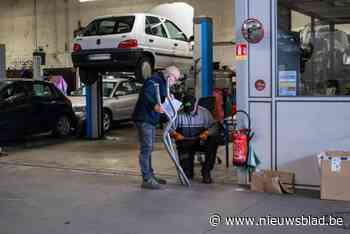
272 75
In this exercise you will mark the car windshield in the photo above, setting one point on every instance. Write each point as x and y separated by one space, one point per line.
111 25
108 88
4 83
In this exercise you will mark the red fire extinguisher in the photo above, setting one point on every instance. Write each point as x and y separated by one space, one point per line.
241 138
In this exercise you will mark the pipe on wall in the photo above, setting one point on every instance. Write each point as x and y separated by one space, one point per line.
66 12
35 24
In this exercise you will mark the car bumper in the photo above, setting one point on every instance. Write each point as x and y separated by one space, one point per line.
107 58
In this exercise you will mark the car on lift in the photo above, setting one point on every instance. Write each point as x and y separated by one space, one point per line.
139 43
31 107
119 99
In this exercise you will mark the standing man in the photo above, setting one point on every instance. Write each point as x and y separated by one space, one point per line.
146 116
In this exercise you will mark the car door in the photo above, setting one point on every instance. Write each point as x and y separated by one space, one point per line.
14 111
157 41
46 107
182 47
125 98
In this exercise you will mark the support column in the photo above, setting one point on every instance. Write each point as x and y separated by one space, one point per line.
94 109
204 29
2 62
255 76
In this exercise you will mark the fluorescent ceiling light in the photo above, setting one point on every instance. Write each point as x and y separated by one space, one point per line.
87 0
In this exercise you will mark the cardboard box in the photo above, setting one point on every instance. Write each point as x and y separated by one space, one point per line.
335 175
273 182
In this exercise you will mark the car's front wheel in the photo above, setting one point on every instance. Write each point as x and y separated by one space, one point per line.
63 126
144 68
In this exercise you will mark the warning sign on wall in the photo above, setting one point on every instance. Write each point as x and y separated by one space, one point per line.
241 51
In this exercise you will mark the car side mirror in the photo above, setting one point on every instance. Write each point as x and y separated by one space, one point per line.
191 38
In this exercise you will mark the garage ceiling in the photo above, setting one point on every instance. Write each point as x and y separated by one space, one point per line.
333 11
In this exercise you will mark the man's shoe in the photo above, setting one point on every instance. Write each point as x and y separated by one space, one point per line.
150 184
207 179
159 180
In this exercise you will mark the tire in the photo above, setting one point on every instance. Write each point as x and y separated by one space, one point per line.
107 121
144 68
63 126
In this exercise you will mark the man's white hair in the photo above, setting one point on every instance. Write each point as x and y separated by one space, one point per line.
172 70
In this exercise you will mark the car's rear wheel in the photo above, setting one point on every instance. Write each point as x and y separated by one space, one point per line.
144 68
63 126
107 121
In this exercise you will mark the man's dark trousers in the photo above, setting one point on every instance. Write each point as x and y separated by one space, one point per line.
187 150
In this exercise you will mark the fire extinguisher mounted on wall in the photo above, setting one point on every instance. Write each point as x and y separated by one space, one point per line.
241 138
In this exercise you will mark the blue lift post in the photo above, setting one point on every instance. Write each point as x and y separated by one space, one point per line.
94 103
94 110
206 55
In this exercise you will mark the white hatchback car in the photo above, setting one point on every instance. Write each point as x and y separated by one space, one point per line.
136 43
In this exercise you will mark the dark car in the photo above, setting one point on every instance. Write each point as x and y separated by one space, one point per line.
30 107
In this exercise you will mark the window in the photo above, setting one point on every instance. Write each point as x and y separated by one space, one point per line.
108 88
91 29
313 50
106 27
155 27
126 88
174 31
123 27
113 25
19 90
12 90
3 84
41 90
7 92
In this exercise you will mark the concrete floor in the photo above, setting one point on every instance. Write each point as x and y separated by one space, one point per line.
117 154
83 187
42 200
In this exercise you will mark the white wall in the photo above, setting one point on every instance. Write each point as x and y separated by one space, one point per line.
57 19
225 54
